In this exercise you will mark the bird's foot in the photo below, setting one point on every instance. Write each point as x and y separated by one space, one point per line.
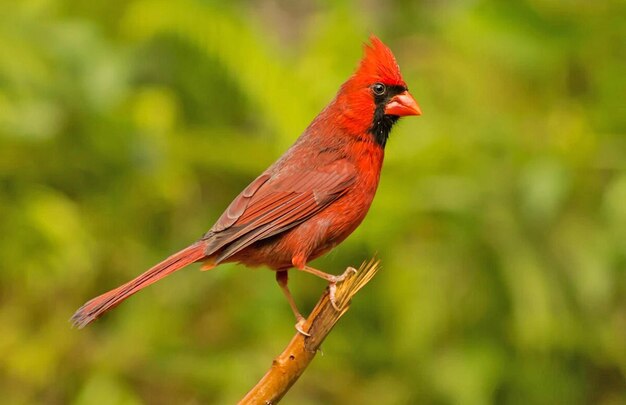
332 286
300 326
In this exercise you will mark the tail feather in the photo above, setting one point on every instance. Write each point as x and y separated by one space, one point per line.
101 304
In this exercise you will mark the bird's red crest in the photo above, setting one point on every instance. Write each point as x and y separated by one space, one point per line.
379 64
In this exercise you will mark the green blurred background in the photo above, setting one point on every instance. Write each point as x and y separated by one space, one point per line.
126 127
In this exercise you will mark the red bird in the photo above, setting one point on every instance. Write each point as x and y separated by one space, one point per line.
310 199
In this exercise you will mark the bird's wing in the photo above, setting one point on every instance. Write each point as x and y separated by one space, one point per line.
274 203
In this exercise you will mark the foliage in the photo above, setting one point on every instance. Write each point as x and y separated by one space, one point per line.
126 127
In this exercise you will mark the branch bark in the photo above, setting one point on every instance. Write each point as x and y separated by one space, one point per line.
291 363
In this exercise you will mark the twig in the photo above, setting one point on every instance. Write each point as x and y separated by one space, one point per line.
291 363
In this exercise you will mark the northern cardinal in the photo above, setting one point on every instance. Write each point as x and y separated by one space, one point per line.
310 199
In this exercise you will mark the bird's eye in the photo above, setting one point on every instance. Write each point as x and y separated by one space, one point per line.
379 89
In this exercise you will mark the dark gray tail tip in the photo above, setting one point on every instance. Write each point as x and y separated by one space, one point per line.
79 320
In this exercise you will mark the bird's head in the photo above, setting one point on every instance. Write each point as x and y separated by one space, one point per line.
376 96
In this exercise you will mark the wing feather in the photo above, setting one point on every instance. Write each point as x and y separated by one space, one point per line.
239 204
275 204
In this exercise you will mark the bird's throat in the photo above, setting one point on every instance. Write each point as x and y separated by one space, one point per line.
381 125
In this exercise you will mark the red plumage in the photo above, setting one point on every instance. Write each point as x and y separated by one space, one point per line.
311 198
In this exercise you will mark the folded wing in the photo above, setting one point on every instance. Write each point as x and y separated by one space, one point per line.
272 204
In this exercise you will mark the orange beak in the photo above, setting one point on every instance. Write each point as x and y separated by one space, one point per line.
402 104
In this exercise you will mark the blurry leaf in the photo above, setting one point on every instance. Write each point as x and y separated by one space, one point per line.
155 110
543 188
261 74
615 203
469 375
105 390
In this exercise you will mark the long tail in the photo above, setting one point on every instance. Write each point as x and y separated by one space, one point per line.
99 305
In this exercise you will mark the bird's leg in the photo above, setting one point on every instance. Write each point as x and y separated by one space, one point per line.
332 281
282 278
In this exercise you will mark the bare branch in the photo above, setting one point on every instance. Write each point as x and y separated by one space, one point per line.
291 363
